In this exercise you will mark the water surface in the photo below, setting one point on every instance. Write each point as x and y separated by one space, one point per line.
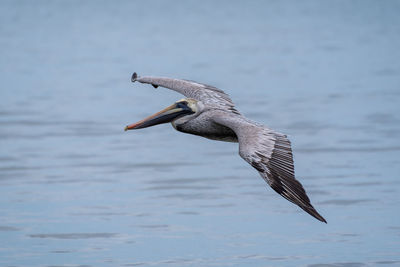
76 190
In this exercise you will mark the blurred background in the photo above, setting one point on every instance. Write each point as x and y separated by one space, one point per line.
76 190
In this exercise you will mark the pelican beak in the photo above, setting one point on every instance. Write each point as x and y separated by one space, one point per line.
166 115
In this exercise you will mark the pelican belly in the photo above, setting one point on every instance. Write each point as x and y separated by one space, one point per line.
207 129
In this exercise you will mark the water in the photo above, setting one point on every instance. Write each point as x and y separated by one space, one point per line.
76 190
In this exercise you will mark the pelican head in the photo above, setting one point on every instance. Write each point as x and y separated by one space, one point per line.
182 108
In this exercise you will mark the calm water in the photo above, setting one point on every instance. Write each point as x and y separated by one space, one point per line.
76 190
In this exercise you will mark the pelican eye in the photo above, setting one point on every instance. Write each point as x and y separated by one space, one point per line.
182 104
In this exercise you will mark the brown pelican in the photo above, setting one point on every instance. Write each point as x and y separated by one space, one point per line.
209 112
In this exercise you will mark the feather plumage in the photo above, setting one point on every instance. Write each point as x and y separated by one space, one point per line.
268 151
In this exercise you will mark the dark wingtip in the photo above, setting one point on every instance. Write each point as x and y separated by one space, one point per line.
134 77
312 211
322 219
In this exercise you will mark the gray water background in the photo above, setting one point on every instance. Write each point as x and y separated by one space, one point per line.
76 190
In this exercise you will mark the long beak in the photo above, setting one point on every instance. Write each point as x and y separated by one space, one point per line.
166 115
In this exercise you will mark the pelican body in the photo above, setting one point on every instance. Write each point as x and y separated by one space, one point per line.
209 112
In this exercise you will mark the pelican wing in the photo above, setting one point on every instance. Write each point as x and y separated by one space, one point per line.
270 153
207 94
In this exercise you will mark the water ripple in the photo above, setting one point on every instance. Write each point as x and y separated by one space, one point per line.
346 202
75 235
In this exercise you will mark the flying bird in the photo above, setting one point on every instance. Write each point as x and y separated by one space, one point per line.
209 112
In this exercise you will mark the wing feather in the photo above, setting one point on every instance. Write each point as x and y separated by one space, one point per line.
270 153
207 94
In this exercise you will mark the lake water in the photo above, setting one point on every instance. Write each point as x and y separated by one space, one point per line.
76 190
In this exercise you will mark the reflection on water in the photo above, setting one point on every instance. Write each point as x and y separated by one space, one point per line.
76 190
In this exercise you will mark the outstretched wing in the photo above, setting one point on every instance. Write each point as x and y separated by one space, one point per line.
207 94
270 153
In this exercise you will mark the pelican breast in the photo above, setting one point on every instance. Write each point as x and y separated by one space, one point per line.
203 126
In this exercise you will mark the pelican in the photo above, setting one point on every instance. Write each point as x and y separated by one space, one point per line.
209 112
